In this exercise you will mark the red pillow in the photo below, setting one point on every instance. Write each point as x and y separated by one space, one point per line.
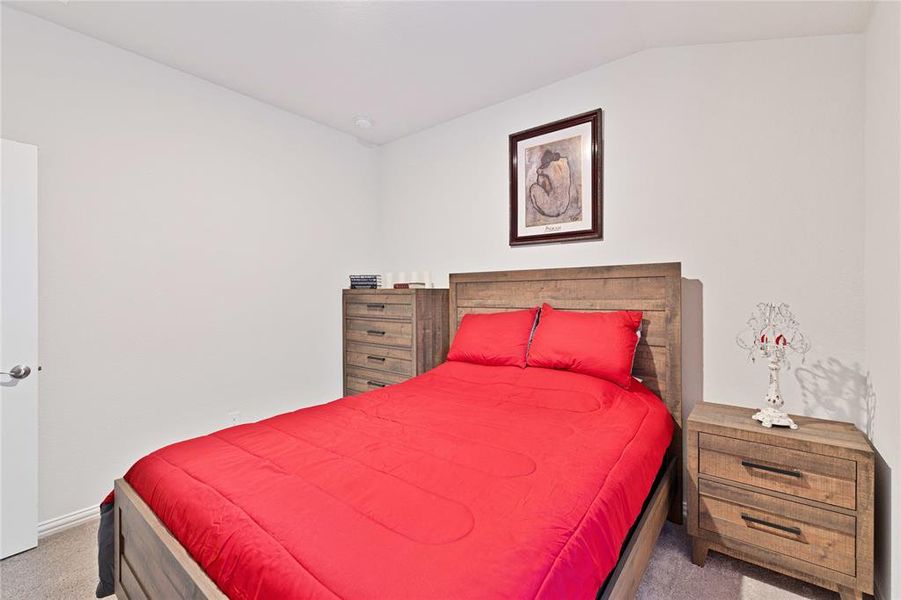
494 338
601 344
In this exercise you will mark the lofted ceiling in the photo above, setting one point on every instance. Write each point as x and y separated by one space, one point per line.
410 65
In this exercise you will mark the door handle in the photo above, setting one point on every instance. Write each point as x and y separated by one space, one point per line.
18 372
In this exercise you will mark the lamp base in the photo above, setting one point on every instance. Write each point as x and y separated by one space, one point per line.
770 416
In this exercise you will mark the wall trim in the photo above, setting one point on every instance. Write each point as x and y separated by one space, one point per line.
58 524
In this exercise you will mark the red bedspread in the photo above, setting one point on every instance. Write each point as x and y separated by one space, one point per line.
466 482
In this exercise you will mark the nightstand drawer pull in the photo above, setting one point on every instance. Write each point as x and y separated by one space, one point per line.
376 384
376 306
378 358
789 472
374 332
750 519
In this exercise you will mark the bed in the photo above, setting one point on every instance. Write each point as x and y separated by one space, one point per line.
469 481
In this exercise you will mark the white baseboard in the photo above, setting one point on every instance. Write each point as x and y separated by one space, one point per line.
68 521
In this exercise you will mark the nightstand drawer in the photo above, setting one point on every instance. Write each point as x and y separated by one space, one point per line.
389 333
815 535
812 476
370 307
365 380
379 358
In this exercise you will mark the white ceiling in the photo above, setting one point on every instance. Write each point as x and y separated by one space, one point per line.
411 65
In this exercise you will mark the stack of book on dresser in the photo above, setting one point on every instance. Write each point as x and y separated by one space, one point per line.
365 282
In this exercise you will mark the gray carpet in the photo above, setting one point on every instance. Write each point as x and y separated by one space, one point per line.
64 567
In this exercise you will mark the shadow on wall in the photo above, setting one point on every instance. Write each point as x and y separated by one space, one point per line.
692 344
844 392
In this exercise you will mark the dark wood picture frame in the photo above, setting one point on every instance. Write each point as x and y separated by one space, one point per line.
595 197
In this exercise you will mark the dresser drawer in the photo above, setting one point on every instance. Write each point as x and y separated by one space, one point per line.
378 297
357 307
815 535
389 333
811 476
365 380
379 358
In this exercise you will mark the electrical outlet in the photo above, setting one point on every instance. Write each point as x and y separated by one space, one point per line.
234 417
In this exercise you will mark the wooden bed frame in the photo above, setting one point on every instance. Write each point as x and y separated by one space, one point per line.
150 563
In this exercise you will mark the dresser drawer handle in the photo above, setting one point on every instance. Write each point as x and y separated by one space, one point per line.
376 306
788 472
376 384
750 519
378 358
375 332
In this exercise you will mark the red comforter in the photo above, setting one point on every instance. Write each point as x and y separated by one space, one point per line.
466 482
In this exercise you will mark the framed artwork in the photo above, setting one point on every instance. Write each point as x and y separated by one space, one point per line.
556 181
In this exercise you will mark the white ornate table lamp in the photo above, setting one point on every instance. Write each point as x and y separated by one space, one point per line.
773 333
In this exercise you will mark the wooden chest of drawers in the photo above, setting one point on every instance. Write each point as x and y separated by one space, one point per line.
392 335
798 502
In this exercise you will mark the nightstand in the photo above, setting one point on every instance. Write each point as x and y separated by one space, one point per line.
797 502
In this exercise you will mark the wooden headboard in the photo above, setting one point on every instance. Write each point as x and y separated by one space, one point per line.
655 289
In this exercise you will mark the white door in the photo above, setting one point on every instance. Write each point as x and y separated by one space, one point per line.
18 347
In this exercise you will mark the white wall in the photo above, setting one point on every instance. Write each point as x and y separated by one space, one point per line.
743 161
882 273
193 243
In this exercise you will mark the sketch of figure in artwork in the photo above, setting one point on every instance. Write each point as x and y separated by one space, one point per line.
554 182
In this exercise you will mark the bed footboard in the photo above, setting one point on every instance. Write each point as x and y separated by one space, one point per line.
149 562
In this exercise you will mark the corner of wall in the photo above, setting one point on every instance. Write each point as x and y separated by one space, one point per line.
882 275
